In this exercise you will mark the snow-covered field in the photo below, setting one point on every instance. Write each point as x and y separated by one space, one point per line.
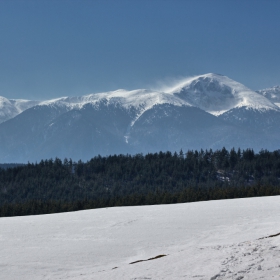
202 240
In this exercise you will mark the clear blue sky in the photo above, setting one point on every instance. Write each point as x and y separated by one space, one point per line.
57 48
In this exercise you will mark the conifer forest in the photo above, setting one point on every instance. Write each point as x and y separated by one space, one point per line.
56 185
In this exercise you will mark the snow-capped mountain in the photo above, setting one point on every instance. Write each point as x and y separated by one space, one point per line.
140 100
273 94
207 111
217 94
230 101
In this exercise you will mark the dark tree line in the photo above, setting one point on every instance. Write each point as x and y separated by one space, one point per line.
53 186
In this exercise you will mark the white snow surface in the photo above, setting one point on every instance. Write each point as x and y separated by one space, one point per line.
127 98
217 94
140 99
201 240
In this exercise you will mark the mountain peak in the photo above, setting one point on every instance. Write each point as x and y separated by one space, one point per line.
217 94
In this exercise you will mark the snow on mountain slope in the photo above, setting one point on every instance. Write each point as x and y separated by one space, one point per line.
140 99
11 108
212 93
202 240
273 94
263 122
136 98
217 94
54 131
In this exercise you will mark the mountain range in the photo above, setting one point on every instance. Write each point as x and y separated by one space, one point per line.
202 112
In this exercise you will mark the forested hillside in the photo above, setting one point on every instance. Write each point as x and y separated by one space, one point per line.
57 186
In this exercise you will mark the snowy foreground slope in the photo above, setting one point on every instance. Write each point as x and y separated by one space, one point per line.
202 240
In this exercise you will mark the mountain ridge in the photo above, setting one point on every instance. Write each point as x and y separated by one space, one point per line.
207 111
214 88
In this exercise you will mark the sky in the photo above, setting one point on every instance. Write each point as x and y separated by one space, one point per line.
60 48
